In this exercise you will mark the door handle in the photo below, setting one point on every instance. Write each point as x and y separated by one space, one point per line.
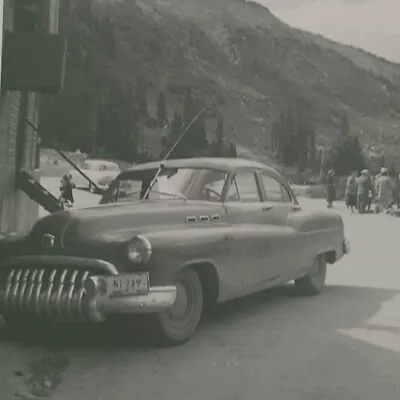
266 208
296 208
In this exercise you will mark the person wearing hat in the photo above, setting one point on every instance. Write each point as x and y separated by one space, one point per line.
330 189
364 188
384 189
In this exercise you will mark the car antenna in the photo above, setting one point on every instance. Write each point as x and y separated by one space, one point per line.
184 132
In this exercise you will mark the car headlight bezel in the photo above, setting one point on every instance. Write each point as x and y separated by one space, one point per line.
139 249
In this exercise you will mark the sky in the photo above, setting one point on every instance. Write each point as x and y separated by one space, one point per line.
373 25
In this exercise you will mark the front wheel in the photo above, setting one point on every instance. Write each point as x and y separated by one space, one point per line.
313 283
179 323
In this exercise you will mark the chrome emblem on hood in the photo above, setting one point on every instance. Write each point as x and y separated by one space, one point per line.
48 240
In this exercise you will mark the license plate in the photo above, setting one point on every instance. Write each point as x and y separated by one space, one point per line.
128 285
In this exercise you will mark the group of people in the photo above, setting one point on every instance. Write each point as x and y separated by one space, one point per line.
363 190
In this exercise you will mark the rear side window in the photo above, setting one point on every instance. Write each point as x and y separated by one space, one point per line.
244 188
276 193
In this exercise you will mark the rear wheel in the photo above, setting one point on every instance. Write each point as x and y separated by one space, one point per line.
313 283
179 323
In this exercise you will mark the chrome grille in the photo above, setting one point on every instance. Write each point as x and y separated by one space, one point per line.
55 293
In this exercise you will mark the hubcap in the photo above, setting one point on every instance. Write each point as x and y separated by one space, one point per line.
181 312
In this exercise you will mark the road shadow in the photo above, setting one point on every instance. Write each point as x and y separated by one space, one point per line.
337 307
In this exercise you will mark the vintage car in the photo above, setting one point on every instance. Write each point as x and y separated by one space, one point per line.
101 172
169 240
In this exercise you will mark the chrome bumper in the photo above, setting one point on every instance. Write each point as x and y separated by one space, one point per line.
72 294
159 298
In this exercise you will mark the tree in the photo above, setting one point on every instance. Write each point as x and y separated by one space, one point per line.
141 98
312 151
277 139
293 138
173 135
382 161
232 151
217 147
162 117
107 36
195 142
347 155
345 126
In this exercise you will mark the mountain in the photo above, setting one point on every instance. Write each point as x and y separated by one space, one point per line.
368 24
254 64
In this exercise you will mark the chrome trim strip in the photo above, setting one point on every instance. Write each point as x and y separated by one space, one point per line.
81 294
14 293
59 293
69 303
21 295
48 296
31 288
8 289
39 283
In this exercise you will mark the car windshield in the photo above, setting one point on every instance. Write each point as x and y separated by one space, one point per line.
179 183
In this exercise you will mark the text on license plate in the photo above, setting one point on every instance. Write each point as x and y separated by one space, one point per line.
133 284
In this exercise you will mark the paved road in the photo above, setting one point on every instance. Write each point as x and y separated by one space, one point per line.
342 345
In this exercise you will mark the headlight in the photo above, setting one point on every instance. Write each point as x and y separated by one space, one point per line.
139 249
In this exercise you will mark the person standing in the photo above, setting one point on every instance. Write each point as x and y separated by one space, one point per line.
351 191
364 187
66 190
331 188
396 192
384 189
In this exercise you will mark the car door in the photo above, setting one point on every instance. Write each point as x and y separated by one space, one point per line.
250 237
291 245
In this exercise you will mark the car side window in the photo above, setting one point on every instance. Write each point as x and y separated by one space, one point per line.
244 188
276 193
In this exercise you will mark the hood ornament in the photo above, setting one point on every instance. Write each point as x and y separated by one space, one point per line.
48 240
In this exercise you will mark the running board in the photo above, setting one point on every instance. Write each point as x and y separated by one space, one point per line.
34 190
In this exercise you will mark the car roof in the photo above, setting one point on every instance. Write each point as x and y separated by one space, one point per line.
218 163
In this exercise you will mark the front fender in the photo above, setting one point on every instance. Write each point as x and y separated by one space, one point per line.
174 250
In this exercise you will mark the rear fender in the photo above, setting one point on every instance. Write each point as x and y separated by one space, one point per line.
322 232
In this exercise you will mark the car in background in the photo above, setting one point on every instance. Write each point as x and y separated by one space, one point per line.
169 240
101 172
